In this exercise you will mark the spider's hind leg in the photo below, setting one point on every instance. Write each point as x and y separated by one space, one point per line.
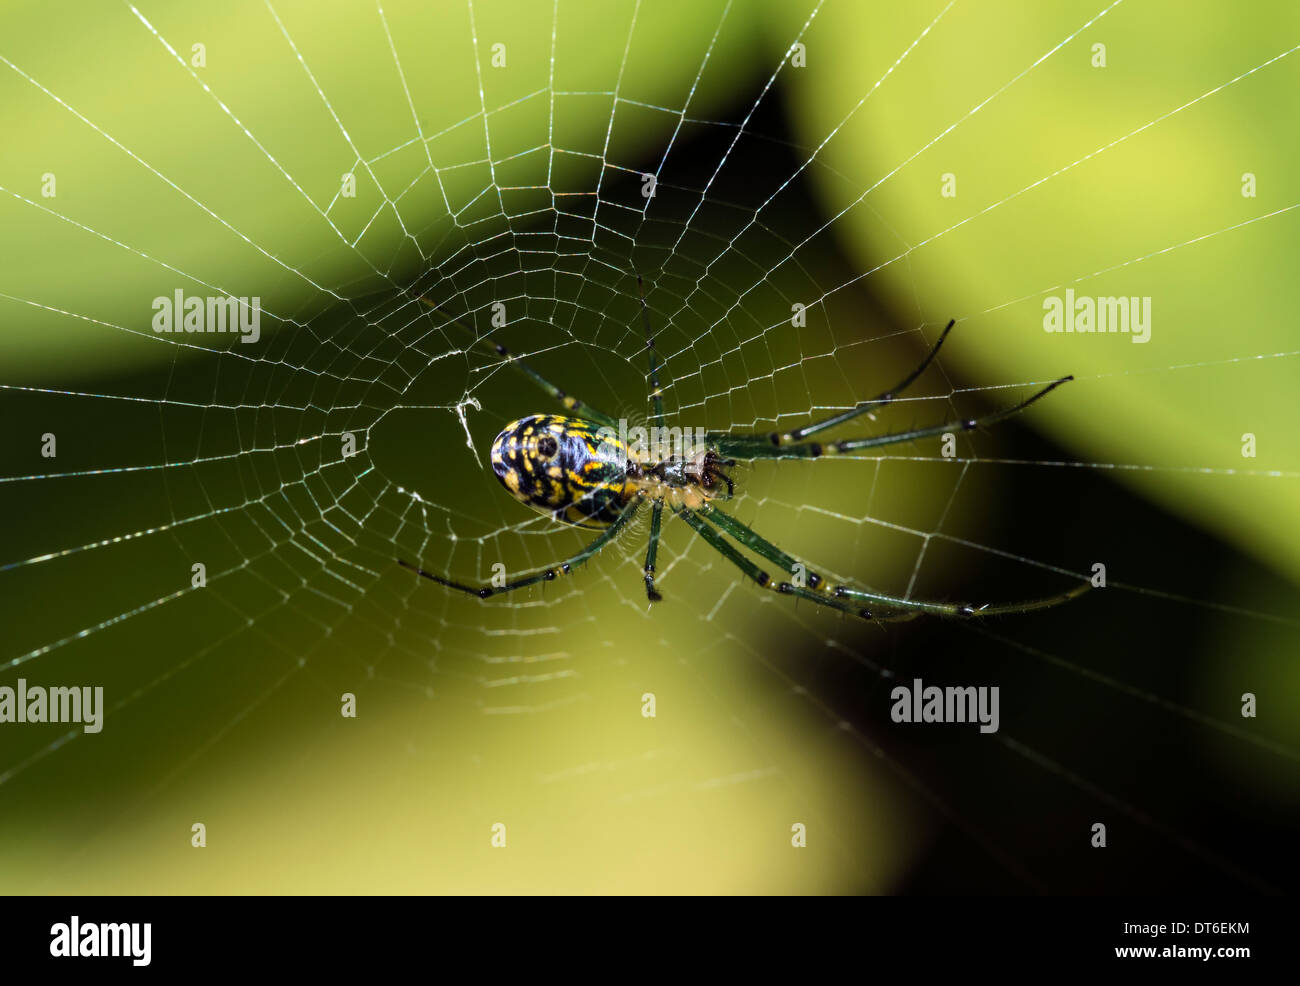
566 401
546 575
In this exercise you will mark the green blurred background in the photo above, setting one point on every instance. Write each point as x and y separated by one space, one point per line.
526 711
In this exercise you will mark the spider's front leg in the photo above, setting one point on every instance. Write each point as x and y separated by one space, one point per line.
868 407
770 551
960 610
859 602
757 447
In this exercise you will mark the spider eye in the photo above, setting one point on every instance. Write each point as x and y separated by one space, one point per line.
547 446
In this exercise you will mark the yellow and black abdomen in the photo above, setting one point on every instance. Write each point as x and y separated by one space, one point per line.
566 467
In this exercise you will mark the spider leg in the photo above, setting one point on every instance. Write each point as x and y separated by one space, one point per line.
758 447
657 397
867 407
545 575
960 610
724 547
716 541
567 401
761 546
651 550
850 600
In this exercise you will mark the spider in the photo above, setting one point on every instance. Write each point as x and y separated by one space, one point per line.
576 468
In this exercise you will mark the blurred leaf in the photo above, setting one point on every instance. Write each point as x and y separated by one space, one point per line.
226 177
1122 180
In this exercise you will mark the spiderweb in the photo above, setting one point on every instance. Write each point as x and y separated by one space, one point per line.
354 159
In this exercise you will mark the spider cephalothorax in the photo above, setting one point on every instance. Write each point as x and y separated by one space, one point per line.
685 478
582 469
582 473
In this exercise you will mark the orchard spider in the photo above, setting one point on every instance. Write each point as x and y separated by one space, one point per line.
577 468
